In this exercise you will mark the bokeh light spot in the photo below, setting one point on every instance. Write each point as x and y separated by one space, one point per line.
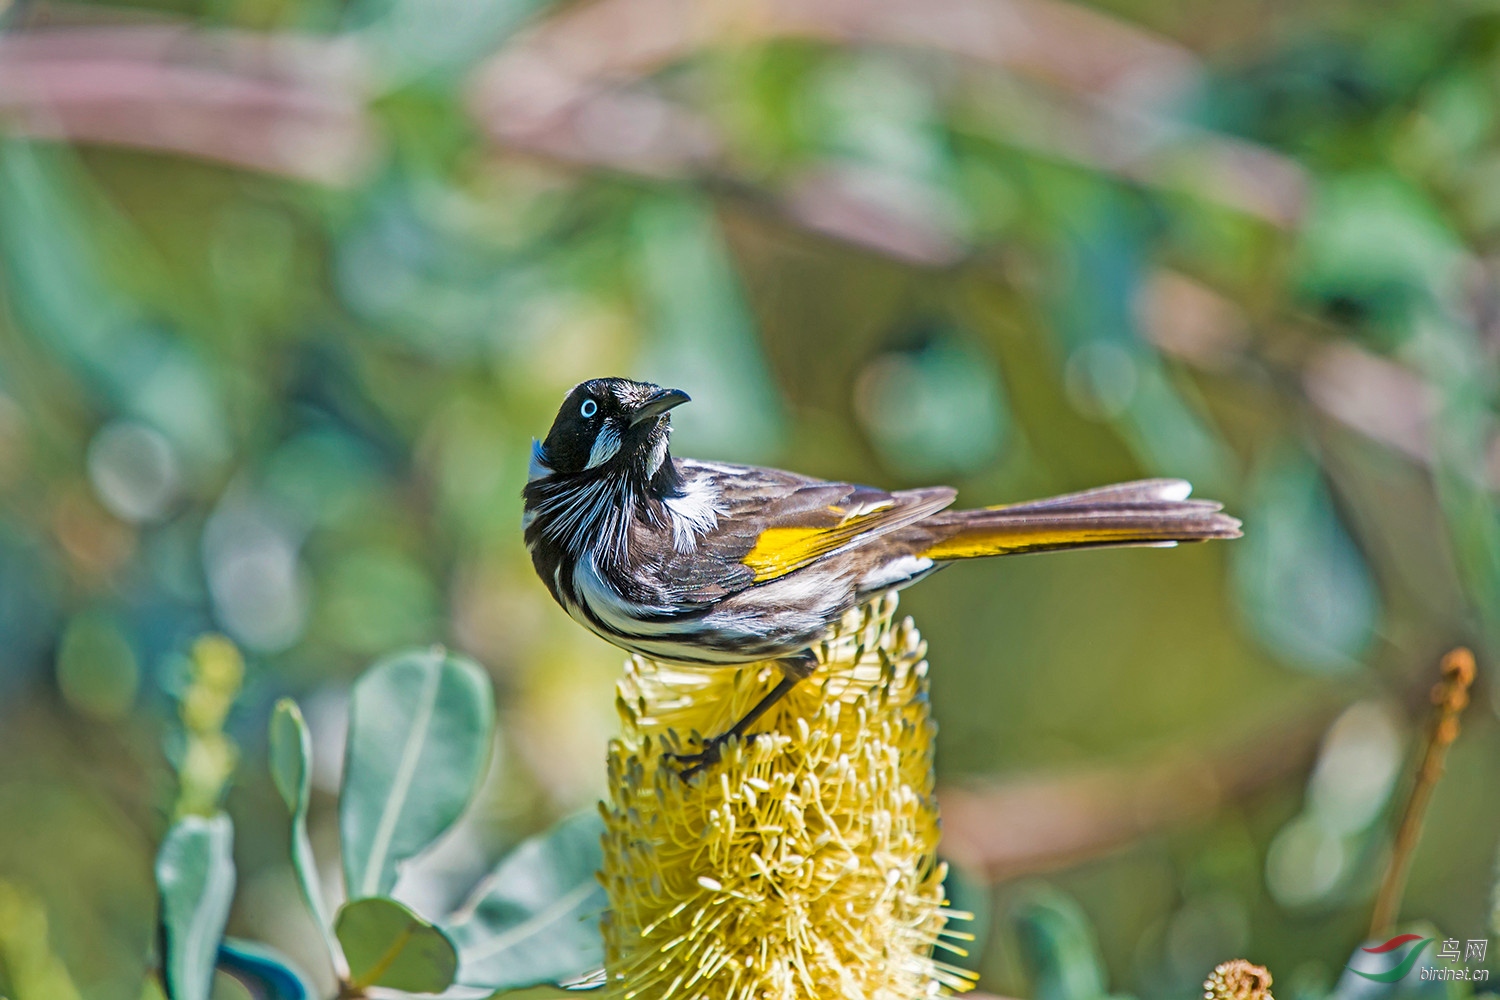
97 671
134 471
1304 863
937 410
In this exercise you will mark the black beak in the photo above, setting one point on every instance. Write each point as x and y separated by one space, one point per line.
657 403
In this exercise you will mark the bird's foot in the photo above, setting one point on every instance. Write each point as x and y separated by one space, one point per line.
794 669
694 763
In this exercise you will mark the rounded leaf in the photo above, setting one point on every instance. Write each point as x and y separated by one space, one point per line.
420 726
388 945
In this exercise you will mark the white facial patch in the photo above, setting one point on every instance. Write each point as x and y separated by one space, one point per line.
606 446
658 456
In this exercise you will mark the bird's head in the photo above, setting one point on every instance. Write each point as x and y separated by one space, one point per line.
610 424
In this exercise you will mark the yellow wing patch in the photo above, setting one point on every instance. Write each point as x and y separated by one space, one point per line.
785 548
778 551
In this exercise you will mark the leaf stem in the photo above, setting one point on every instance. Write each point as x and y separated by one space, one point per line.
1449 697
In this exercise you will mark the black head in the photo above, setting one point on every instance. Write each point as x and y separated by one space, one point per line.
611 424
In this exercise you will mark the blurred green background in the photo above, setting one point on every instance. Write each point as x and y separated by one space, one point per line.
288 286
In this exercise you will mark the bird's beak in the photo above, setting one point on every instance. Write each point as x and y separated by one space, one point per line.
657 403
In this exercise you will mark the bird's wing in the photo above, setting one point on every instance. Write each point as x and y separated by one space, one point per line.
771 523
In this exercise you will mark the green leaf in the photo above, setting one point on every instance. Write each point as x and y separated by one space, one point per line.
1058 946
536 918
389 945
968 894
1303 583
1375 238
291 770
56 234
195 878
703 330
420 726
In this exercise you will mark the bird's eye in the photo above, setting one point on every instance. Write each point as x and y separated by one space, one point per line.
589 408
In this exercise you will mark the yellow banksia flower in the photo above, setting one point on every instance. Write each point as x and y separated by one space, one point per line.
1238 980
804 863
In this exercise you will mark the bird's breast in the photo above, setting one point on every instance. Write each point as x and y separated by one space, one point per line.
602 601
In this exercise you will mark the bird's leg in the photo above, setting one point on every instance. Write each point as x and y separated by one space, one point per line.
793 670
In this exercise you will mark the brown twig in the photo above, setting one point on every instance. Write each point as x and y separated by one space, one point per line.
1045 823
1449 696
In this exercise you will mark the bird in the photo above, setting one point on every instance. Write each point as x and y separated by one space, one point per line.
708 564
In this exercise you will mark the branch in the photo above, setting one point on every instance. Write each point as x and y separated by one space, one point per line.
1040 824
279 104
576 88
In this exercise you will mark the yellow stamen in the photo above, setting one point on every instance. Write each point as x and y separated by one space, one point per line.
804 863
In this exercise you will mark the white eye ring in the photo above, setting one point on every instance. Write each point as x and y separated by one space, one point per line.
589 408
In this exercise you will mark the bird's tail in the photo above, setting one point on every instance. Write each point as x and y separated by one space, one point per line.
1147 512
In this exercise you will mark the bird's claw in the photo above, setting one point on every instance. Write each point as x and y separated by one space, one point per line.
700 761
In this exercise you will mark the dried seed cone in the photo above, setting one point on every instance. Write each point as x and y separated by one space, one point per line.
1238 980
801 865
